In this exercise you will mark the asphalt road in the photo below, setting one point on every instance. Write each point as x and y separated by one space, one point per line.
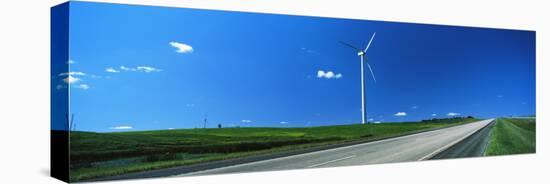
414 147
473 146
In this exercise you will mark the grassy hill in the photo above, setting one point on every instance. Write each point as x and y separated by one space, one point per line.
104 154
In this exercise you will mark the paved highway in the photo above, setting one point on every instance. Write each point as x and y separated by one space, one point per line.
414 147
473 146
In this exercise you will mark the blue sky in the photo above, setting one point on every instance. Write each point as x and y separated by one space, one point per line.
142 68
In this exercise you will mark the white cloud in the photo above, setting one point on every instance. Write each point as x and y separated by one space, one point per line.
434 114
82 86
283 122
400 114
71 80
246 121
70 62
123 127
170 128
328 74
181 47
72 73
320 74
453 114
370 119
127 69
147 69
111 70
376 122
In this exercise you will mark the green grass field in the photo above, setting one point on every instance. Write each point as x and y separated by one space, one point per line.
512 136
96 155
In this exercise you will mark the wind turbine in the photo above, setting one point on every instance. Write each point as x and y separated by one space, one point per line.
361 54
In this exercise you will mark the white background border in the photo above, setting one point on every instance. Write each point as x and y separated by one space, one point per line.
24 90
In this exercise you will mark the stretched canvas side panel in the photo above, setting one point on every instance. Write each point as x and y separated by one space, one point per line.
59 91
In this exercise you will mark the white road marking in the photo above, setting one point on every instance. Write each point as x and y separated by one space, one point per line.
451 144
328 162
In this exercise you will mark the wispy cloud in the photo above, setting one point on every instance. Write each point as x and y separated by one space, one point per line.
328 74
72 74
111 70
146 69
434 114
124 68
181 47
311 51
123 127
82 86
71 80
283 122
246 121
60 86
414 107
400 114
99 76
453 114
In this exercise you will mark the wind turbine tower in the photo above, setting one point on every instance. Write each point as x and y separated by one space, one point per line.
362 55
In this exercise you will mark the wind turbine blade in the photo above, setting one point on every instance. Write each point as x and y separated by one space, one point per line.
372 73
368 45
349 45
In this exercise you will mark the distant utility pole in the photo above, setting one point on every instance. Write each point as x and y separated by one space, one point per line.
70 125
205 119
72 122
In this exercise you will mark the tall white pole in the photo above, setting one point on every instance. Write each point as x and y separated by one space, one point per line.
363 109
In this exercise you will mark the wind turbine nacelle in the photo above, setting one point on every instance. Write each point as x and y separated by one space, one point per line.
361 53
